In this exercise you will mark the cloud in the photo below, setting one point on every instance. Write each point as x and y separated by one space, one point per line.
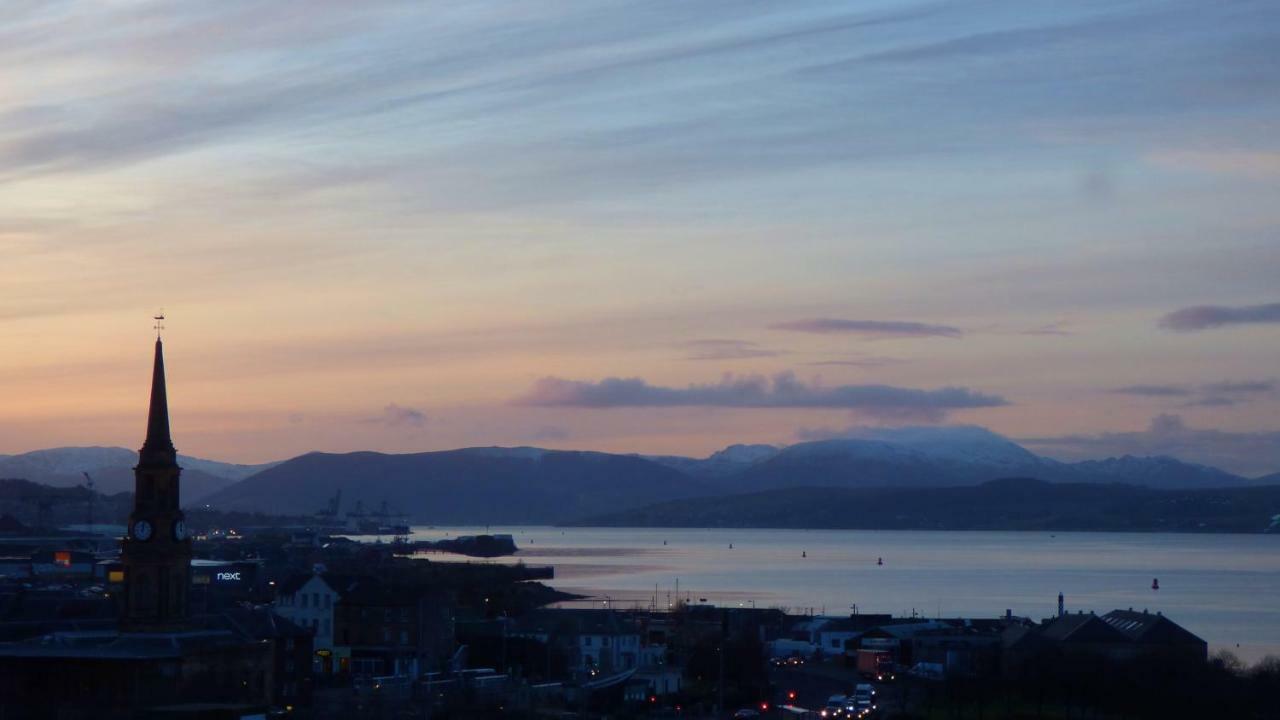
1218 394
1055 328
1247 453
1152 390
781 391
719 349
1204 317
1247 387
1228 393
549 432
870 361
872 328
394 415
1212 401
1243 163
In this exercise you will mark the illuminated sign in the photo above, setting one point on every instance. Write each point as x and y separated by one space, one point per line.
62 558
324 653
115 576
228 576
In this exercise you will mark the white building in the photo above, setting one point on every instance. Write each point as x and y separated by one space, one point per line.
310 601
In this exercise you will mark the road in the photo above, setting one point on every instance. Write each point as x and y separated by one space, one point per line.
814 683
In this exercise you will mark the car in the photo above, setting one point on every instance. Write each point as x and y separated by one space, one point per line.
746 714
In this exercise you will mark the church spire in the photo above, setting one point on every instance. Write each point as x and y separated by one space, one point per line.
158 447
156 553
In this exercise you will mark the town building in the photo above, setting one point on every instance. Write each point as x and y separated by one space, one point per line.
311 601
594 641
394 629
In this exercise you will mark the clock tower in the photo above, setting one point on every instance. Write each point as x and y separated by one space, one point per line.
157 552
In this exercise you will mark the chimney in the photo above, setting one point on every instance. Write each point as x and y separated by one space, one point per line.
1061 611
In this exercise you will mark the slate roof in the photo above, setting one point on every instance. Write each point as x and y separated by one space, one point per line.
1150 628
1081 628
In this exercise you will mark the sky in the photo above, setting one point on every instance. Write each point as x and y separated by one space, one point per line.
648 226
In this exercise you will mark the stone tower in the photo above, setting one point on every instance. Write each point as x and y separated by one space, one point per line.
157 552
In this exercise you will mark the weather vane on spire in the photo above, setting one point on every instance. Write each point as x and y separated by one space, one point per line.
159 318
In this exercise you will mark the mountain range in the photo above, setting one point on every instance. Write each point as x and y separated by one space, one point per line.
533 485
112 470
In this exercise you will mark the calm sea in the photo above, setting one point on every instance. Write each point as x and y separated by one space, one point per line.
1224 588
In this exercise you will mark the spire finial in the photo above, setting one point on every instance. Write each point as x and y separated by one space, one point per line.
159 318
158 447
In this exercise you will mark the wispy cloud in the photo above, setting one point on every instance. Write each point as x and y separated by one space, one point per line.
1055 328
1246 387
869 328
1245 163
546 433
1228 393
1248 453
394 415
781 391
870 361
1152 390
1204 317
1216 394
722 349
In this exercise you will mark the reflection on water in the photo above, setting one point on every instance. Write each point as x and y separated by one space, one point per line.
1221 587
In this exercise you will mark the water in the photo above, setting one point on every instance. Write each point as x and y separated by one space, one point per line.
1224 588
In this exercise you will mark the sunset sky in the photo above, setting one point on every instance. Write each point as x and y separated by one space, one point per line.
646 226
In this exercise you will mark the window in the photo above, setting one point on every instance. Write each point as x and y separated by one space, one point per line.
605 641
404 614
304 600
386 615
404 637
586 640
325 626
386 635
835 643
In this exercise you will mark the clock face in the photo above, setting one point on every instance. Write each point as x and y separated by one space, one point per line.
142 530
179 530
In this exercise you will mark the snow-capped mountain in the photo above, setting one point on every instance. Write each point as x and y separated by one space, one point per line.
721 463
1159 471
112 469
964 443
956 455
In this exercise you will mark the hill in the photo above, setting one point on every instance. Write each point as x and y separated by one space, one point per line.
36 505
1006 504
532 485
949 456
469 486
720 464
112 470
